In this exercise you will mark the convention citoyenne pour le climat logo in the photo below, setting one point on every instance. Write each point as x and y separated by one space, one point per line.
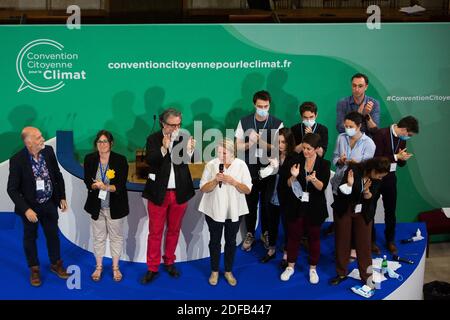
44 66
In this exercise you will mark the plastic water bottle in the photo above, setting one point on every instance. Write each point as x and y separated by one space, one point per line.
384 265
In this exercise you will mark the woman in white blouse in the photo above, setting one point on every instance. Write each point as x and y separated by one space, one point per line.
223 204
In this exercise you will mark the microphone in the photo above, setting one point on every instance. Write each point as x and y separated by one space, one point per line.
220 171
397 258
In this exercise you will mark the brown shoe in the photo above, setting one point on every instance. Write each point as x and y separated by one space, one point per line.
59 270
35 277
375 248
392 248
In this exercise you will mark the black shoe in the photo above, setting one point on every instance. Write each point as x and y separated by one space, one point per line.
338 279
172 271
283 264
268 257
149 277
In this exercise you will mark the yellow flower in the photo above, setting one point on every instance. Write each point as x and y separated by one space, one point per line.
110 174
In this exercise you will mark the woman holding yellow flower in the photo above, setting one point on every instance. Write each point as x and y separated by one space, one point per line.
105 176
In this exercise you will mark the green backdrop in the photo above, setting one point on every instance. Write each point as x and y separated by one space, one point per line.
400 60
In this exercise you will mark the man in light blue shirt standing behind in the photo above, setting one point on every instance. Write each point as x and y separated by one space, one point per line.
367 106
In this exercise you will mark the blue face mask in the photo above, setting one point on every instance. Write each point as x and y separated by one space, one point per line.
262 112
309 123
404 138
350 131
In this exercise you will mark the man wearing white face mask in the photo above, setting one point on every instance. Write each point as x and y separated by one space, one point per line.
308 124
256 136
391 143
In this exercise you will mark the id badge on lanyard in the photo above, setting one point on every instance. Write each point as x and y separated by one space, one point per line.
393 164
40 184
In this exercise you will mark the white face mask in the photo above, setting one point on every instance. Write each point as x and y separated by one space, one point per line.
350 131
262 112
309 123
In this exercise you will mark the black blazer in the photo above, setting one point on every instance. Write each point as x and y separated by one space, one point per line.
342 202
21 182
155 190
316 208
118 200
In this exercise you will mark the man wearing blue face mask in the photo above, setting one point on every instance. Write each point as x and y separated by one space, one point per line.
367 106
256 136
391 143
308 124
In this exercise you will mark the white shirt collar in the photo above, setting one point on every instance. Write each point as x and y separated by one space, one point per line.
393 131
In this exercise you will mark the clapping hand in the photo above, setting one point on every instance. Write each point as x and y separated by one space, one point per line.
311 177
368 108
166 141
403 155
191 144
308 130
367 185
295 170
98 185
274 163
253 138
350 178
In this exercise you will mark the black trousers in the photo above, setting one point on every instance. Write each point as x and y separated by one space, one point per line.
47 214
215 242
257 194
388 190
276 213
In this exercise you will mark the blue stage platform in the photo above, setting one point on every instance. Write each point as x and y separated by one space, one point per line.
255 280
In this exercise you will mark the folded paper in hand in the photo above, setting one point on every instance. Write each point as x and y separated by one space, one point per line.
410 10
297 189
267 171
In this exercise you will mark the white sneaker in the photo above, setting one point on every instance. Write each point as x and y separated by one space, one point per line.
287 274
313 276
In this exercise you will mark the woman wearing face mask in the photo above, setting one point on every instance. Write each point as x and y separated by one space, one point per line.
276 193
225 182
354 208
307 210
353 146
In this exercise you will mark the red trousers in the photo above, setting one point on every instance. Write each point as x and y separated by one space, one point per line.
169 212
296 230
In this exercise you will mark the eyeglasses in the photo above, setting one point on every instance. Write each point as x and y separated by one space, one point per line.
174 125
102 141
